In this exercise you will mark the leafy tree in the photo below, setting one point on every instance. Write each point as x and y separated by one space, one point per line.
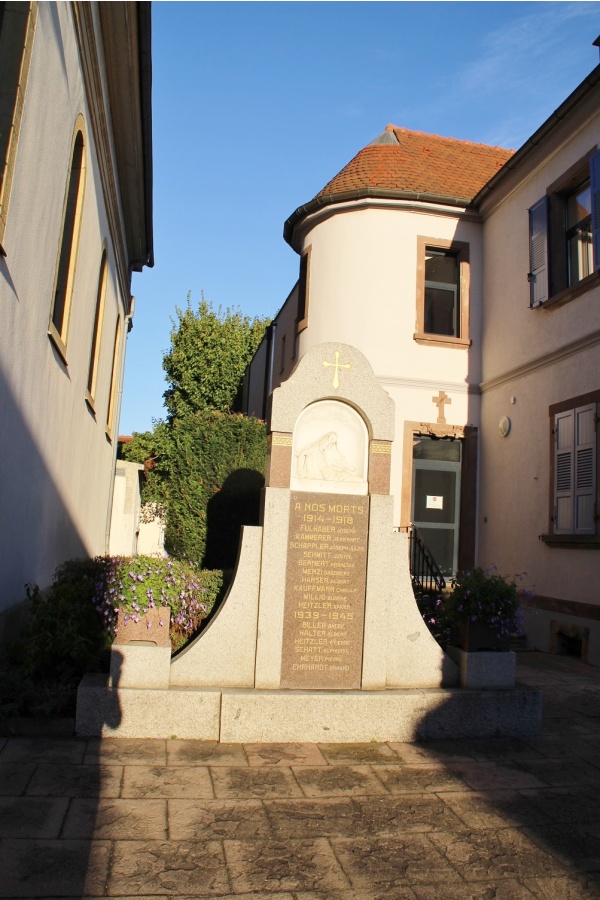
210 350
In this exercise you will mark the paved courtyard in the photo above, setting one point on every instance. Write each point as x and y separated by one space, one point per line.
184 819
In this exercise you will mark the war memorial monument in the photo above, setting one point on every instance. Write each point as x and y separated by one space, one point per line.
319 637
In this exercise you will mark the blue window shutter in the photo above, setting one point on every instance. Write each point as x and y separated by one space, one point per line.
595 186
538 252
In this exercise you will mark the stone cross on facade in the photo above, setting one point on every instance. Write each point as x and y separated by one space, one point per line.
337 366
440 401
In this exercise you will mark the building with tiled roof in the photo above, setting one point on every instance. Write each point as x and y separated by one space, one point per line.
413 162
469 276
411 165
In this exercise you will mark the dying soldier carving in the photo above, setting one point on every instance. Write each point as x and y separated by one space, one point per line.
323 460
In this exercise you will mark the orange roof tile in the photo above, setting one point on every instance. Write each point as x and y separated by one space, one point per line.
416 162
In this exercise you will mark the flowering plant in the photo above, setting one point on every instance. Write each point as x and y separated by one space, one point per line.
139 584
486 597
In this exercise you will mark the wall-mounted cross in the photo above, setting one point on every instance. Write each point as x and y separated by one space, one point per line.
337 366
440 401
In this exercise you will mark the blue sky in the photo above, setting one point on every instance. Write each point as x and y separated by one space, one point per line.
256 106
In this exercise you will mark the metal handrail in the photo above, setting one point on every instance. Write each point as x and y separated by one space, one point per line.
425 573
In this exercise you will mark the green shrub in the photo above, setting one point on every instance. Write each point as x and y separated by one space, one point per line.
72 625
65 636
483 596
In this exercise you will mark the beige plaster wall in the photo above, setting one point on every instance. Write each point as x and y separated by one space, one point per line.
515 486
537 357
514 334
57 463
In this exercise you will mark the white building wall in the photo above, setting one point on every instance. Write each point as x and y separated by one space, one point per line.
126 505
151 537
57 462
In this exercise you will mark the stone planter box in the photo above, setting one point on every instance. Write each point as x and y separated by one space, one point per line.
485 669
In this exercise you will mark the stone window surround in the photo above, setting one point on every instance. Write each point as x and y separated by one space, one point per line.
90 394
10 118
110 412
59 338
461 248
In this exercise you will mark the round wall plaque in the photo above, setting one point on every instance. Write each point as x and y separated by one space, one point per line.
504 426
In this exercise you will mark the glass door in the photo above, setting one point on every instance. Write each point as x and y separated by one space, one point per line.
436 498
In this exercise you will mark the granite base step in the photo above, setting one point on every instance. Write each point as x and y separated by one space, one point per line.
254 716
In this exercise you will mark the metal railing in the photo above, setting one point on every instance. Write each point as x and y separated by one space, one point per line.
424 571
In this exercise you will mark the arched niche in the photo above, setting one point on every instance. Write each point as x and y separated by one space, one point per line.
330 449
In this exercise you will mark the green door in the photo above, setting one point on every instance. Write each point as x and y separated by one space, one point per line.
436 498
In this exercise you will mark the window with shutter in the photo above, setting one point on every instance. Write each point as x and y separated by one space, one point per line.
585 470
563 472
595 186
564 235
538 250
574 480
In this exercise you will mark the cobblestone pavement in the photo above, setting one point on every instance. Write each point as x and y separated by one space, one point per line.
182 819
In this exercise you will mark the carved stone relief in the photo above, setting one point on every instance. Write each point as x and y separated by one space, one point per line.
330 449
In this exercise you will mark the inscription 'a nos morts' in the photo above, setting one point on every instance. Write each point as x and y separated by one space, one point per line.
325 591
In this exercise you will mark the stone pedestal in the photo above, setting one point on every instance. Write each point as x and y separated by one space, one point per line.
485 669
251 716
140 664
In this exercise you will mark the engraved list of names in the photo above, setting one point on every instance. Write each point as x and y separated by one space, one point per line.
325 591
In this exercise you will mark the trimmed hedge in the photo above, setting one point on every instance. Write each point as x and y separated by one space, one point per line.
216 468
